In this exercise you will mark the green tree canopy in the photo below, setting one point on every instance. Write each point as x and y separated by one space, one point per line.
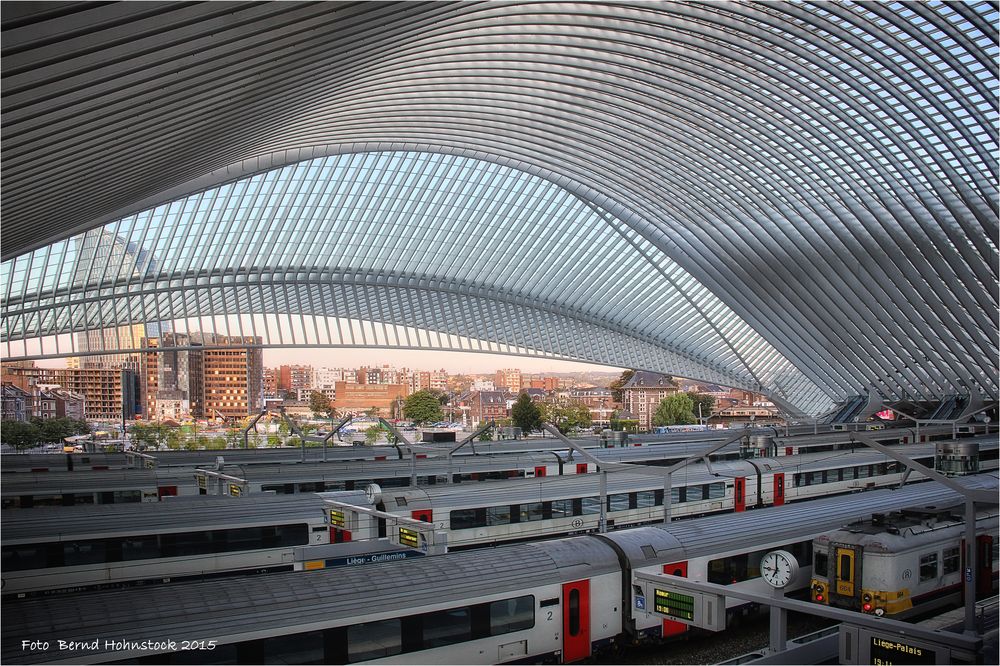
372 433
19 434
423 407
707 403
150 435
569 417
525 414
616 386
674 410
320 404
57 429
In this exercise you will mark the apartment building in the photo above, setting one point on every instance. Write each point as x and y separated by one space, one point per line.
509 379
642 394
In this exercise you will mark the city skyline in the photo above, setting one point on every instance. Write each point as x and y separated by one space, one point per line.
452 362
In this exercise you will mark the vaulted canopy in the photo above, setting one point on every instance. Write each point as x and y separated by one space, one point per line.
794 197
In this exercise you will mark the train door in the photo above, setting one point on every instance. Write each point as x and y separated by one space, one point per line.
779 488
581 468
984 566
540 471
576 621
846 575
426 515
166 491
740 494
670 627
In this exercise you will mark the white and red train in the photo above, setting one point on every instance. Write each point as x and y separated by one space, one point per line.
559 599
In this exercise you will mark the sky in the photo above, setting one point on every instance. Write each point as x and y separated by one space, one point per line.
453 362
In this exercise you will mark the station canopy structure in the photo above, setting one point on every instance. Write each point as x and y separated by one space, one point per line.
794 198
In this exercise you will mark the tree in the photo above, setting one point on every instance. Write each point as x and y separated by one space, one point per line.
372 433
674 410
233 438
19 434
57 429
707 403
319 404
525 414
568 417
616 386
152 435
423 407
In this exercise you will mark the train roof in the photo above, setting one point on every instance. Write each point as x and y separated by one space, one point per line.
255 607
19 483
778 525
517 491
258 606
98 521
910 527
684 441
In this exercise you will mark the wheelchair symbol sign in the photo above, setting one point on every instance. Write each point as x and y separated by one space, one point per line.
640 603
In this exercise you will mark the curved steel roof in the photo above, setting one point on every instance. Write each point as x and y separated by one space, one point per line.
806 193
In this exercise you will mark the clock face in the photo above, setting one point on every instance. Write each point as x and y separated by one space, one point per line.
778 568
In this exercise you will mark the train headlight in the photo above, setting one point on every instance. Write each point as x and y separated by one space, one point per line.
880 612
866 608
867 598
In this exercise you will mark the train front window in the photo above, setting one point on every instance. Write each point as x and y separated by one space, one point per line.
846 567
820 563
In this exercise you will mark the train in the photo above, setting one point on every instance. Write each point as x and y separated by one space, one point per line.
524 509
558 600
94 546
902 563
111 546
760 441
21 490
